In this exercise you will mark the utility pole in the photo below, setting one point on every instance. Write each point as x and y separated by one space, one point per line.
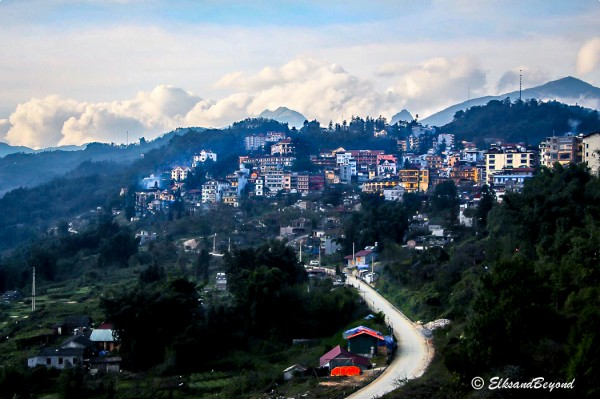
33 291
520 83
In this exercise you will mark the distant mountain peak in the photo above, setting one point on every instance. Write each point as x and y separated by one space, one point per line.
284 115
403 115
568 90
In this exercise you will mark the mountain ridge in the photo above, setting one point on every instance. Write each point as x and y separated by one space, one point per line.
568 90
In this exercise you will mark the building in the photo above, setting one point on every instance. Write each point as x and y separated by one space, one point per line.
203 156
497 159
59 358
562 149
591 151
380 184
339 357
512 179
282 147
414 179
180 173
362 258
255 142
386 165
212 191
394 193
364 341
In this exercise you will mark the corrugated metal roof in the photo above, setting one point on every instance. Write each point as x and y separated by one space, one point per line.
102 336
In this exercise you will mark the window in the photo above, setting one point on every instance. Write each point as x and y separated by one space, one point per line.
48 361
60 360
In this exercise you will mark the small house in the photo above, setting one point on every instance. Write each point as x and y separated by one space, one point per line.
364 341
60 358
73 325
104 339
293 371
338 357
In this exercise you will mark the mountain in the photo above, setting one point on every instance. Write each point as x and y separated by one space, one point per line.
284 115
403 115
527 122
567 90
6 149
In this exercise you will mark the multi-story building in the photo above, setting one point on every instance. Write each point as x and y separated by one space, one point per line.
414 179
562 149
464 172
591 151
259 186
180 173
212 191
380 184
386 165
203 156
282 147
497 159
255 142
263 162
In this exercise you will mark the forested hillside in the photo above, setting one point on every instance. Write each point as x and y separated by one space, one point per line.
523 293
521 121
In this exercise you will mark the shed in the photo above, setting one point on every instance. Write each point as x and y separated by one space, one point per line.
293 371
364 341
338 356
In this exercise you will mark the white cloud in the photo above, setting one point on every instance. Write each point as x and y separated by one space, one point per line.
531 76
50 121
38 123
436 83
588 57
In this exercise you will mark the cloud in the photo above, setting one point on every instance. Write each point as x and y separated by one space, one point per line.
531 76
436 83
38 123
588 57
51 121
314 87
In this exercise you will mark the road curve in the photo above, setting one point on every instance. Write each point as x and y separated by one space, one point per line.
414 352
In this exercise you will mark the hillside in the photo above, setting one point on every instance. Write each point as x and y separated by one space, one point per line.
567 90
528 122
29 168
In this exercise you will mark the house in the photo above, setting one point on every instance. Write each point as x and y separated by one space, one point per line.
79 341
591 151
361 258
180 173
293 371
202 157
60 358
105 364
364 341
72 324
338 357
105 339
11 296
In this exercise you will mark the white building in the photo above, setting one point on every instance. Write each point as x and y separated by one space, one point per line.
591 148
203 157
180 173
394 193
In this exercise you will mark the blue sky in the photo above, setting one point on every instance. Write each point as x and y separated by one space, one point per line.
73 71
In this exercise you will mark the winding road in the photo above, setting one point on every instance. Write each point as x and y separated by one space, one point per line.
414 352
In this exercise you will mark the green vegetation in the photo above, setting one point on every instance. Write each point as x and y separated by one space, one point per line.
524 298
528 121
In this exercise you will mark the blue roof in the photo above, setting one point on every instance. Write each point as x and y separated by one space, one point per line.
354 330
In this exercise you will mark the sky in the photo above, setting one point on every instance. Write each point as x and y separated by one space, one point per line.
73 72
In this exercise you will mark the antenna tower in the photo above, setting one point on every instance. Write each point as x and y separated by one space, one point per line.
520 82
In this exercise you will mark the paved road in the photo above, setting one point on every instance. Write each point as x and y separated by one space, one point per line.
414 353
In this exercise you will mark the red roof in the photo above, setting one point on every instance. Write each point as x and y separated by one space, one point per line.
367 331
340 353
363 252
